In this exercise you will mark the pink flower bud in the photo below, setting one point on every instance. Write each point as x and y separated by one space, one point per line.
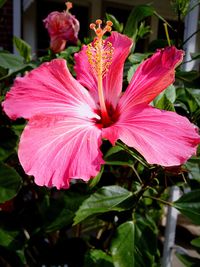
62 27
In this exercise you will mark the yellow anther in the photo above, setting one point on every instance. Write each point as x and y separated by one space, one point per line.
98 21
68 5
109 23
92 26
108 28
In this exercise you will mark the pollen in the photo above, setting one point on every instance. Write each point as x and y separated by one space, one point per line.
100 52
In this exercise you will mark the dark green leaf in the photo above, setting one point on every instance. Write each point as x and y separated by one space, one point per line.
23 48
61 211
193 166
98 258
2 2
117 156
116 24
10 183
108 198
138 14
134 244
7 238
189 205
187 76
195 55
188 261
8 141
196 242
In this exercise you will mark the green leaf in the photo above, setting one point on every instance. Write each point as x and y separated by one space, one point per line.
169 92
2 2
131 71
10 183
116 24
196 242
93 182
138 14
188 261
134 244
138 57
7 238
118 156
23 48
193 166
8 141
195 55
165 104
98 258
10 61
60 212
108 198
189 205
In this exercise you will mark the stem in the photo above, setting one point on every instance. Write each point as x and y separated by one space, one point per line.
167 34
160 200
132 154
191 36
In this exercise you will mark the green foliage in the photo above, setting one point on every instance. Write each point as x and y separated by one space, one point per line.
189 205
23 48
2 2
98 258
134 244
10 182
116 24
105 199
138 14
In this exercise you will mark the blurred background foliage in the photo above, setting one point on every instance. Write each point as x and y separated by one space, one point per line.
115 219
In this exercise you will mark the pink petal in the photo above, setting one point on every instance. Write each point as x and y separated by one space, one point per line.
48 89
152 77
112 81
56 149
162 137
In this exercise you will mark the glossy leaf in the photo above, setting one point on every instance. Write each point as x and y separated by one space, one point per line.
164 104
193 166
169 92
189 205
134 244
98 258
116 24
10 183
23 48
107 198
138 14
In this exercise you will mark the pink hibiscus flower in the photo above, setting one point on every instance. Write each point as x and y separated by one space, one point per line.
68 117
62 27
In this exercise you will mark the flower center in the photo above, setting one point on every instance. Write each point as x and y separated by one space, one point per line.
100 54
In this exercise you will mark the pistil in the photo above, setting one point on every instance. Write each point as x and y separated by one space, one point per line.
99 56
